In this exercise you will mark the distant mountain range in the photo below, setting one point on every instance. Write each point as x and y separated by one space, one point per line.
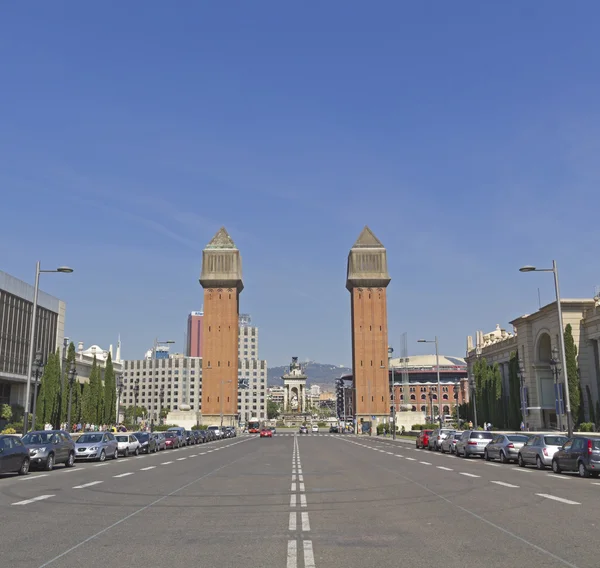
321 374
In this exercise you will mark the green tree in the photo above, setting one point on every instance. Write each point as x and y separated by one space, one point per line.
132 415
6 412
497 409
87 407
76 403
110 393
94 409
67 386
47 406
572 374
272 410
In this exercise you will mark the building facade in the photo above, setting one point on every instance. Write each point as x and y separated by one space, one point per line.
252 401
16 306
367 280
193 335
221 279
535 338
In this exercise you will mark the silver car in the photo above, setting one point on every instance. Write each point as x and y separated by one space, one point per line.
49 447
505 447
437 437
539 450
128 444
449 442
96 446
473 443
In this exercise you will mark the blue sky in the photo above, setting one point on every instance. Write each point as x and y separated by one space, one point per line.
464 134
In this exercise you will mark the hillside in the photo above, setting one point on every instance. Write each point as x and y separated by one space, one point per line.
318 374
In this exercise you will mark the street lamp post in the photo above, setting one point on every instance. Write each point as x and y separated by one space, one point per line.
437 364
72 376
64 371
555 361
161 399
32 346
136 390
37 370
390 351
456 390
521 375
119 393
561 337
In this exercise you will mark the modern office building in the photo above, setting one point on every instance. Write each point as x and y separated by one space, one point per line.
16 306
193 335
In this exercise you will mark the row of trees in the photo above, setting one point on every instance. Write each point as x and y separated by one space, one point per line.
93 402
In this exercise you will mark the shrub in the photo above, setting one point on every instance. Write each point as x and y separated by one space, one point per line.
6 412
16 426
8 431
586 427
321 424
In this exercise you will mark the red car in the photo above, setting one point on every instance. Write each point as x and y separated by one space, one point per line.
266 433
423 438
171 440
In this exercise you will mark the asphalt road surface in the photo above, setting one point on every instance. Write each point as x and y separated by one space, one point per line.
298 501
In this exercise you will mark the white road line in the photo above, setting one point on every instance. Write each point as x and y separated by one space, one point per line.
425 463
303 500
293 477
300 477
411 459
563 477
559 499
492 464
203 453
38 476
399 456
148 468
302 487
292 554
521 469
593 482
309 557
100 464
444 468
293 500
165 463
181 459
292 526
305 522
505 484
468 474
27 501
390 453
293 488
193 456
88 484
123 474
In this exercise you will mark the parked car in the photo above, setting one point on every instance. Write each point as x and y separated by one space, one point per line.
128 444
314 428
171 440
49 447
160 440
423 438
147 442
266 433
505 447
473 443
216 431
437 436
180 434
540 450
333 430
96 446
197 436
580 454
189 438
303 430
14 455
449 442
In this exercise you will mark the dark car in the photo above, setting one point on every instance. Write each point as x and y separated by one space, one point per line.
172 440
303 430
189 438
334 430
147 442
580 454
14 455
197 436
49 447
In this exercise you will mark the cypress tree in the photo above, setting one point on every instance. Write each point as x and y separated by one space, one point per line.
110 393
67 389
47 405
572 373
496 387
86 404
95 397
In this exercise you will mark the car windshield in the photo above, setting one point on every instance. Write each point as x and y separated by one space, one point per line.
213 428
122 438
555 440
142 437
90 439
457 435
170 435
37 438
481 435
519 439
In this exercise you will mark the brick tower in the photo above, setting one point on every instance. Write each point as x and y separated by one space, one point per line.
221 279
367 281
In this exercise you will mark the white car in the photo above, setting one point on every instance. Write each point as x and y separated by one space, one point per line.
128 444
314 428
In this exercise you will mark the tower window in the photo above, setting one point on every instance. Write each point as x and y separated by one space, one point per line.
218 399
372 399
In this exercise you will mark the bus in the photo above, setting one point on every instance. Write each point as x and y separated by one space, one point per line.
253 426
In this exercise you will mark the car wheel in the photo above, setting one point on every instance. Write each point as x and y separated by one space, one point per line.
126 452
50 463
521 461
71 461
116 454
102 456
24 469
583 472
137 451
539 463
486 456
503 457
555 467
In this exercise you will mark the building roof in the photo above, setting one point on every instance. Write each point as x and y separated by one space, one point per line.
221 240
24 290
419 361
367 239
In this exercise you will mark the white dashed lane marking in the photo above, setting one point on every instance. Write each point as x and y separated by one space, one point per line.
559 499
123 474
504 484
27 501
88 484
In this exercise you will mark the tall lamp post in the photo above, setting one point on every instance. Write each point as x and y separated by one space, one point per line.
136 390
561 337
456 390
521 375
63 374
37 370
437 364
72 377
119 393
161 399
32 346
555 362
390 351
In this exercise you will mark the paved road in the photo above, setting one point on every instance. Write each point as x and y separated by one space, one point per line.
298 502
